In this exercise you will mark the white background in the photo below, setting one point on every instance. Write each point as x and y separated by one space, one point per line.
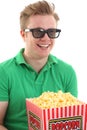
70 46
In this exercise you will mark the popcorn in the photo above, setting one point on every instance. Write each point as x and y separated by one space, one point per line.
54 100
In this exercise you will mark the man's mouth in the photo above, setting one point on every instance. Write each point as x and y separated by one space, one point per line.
43 46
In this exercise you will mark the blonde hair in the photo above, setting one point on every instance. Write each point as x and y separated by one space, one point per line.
37 8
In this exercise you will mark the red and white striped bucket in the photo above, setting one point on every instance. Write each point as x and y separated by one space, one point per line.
63 118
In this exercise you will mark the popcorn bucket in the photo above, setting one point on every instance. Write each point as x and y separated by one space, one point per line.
62 118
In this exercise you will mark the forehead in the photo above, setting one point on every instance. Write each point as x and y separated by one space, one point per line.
45 21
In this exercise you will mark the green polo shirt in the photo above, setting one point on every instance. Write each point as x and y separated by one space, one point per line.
18 81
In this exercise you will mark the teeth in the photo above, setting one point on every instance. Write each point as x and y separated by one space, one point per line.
44 45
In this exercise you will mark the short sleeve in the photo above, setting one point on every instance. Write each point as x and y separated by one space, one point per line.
72 85
3 85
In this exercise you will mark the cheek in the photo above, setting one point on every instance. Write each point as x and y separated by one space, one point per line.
52 42
30 43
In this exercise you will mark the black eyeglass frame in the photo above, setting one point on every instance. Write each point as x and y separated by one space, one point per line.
43 31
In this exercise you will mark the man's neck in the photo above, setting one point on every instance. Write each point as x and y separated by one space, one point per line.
37 64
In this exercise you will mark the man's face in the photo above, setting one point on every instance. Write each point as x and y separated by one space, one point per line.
39 47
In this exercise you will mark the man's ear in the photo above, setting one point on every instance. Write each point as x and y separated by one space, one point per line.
22 33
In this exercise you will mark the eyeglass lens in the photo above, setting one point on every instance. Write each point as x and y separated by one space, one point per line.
39 32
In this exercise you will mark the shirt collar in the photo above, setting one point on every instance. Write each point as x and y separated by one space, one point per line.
51 60
19 57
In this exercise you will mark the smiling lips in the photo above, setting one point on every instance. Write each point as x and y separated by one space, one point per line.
43 45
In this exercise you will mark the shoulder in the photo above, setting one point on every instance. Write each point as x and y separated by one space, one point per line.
7 65
59 62
11 63
61 65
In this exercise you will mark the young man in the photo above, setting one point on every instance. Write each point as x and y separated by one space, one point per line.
33 70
